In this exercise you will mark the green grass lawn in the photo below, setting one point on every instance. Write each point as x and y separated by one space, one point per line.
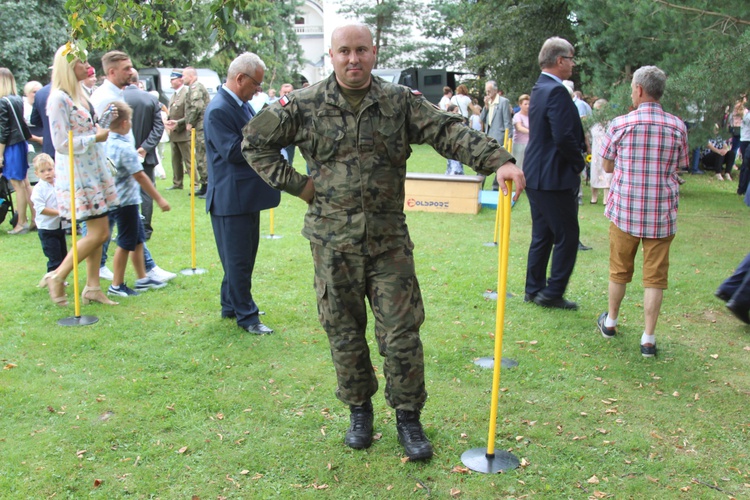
163 399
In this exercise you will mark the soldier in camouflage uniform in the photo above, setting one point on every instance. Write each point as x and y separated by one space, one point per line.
197 100
354 130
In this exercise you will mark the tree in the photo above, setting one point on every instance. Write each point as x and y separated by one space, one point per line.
392 22
266 28
503 38
704 53
30 33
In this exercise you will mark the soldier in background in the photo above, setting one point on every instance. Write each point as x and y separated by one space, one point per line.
354 130
197 100
179 137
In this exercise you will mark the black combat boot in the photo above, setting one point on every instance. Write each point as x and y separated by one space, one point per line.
411 436
359 433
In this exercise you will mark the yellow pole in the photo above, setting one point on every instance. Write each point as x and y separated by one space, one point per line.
73 231
502 279
272 233
192 200
498 211
505 140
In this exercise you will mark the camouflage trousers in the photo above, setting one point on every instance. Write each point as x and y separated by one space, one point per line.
388 281
201 171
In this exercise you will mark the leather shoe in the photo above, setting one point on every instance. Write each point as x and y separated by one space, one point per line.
170 188
529 297
359 433
740 311
259 329
557 303
582 247
721 295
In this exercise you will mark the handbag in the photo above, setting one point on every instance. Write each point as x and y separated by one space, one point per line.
23 128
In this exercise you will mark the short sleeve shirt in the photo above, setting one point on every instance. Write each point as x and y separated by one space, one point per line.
123 155
648 147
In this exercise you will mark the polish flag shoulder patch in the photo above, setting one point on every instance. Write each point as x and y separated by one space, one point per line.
284 101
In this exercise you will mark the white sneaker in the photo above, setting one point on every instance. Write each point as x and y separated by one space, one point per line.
727 177
105 273
159 274
719 177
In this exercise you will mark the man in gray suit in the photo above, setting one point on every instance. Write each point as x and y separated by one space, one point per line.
495 116
147 130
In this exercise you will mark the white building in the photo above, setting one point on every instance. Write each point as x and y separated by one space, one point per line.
314 23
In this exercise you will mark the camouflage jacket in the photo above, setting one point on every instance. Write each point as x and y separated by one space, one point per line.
358 161
195 106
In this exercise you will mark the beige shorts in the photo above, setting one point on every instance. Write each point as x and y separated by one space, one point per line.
622 250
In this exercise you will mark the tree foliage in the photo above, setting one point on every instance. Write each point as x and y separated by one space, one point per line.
30 33
392 23
266 28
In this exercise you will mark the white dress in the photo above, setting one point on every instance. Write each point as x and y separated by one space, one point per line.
599 178
95 192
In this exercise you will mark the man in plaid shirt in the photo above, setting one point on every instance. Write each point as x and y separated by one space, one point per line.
645 150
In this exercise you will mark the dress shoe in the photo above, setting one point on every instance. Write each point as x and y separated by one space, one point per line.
721 295
359 433
582 247
200 191
740 311
558 302
202 196
259 329
529 297
411 435
170 188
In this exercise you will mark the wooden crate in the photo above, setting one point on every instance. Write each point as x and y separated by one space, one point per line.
458 194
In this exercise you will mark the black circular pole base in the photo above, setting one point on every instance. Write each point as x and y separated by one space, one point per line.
477 460
489 363
273 236
192 272
78 321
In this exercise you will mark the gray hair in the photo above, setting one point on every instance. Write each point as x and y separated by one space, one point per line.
247 63
552 49
493 84
652 79
600 103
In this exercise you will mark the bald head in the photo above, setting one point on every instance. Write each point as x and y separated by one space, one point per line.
353 55
189 75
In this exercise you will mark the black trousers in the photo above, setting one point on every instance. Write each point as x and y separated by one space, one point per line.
54 246
554 225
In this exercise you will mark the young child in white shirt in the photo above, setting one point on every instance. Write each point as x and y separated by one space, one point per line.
50 227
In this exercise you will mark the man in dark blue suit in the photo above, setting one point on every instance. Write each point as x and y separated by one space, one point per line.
554 160
147 131
236 194
39 119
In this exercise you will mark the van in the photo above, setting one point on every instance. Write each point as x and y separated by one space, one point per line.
158 79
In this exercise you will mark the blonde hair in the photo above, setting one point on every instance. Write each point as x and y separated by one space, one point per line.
7 83
31 86
523 97
64 77
124 112
43 159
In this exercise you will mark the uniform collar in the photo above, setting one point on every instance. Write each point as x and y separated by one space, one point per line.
376 96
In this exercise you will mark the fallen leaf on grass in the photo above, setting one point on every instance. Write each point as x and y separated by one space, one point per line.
652 479
377 436
455 492
655 435
599 494
50 409
579 438
220 416
593 480
676 394
685 489
525 463
244 472
170 407
715 356
389 487
182 450
257 476
80 453
460 470
10 366
97 483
